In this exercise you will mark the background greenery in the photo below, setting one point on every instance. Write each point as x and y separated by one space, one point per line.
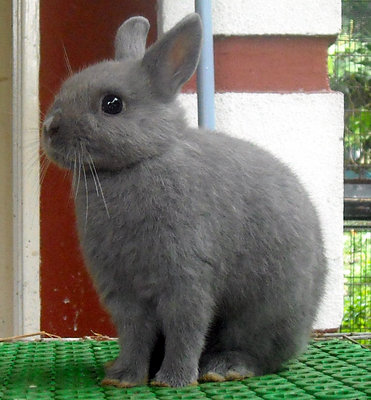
349 66
357 288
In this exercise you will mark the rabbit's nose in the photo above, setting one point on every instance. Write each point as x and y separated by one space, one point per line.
52 124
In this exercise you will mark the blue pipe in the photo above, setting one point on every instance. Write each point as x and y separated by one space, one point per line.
205 70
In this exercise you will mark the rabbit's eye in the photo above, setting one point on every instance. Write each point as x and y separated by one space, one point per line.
112 104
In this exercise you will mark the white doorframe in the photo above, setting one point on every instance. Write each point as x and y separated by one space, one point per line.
26 188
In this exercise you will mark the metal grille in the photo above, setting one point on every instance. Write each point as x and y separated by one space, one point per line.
350 73
357 282
65 370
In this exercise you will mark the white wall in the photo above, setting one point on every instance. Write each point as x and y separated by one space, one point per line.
304 130
261 17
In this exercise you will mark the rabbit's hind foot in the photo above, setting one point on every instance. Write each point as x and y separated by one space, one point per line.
121 384
225 366
119 376
233 374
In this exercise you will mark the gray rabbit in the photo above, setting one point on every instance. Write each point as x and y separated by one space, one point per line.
205 249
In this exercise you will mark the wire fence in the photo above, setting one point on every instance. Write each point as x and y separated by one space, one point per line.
349 65
357 278
350 72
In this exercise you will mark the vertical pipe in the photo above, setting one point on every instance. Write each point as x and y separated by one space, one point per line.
205 70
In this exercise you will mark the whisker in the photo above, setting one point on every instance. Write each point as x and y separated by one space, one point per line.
74 173
99 184
32 175
67 170
35 154
30 164
87 197
86 190
33 145
43 161
79 173
44 169
53 93
94 179
72 168
35 174
67 61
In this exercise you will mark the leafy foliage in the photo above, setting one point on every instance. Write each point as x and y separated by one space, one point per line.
349 65
357 271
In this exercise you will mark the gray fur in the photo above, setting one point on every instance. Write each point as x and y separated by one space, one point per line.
171 62
131 37
205 249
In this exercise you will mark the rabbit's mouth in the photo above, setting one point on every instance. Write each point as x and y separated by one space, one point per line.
61 145
52 142
62 151
56 154
74 153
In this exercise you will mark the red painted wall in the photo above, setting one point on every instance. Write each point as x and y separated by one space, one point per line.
85 29
270 64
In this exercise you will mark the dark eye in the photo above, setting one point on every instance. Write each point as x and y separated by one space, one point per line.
112 104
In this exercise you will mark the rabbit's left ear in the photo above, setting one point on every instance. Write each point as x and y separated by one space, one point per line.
171 61
131 37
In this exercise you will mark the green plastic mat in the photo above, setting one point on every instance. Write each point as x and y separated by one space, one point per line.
61 370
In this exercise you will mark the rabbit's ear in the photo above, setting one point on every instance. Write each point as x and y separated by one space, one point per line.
131 39
172 60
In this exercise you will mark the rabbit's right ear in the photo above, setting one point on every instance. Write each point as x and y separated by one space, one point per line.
171 61
131 37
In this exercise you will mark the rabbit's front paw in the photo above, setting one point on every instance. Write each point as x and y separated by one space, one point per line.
174 379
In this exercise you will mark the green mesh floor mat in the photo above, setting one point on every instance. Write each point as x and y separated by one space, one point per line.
61 370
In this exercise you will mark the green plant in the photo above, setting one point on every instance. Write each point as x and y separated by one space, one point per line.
349 65
357 274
